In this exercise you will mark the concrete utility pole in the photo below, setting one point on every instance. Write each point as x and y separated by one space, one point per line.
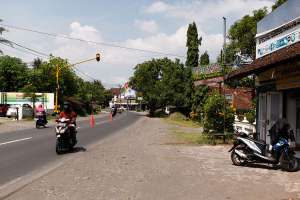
224 39
224 65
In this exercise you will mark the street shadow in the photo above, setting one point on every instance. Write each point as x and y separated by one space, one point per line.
261 166
78 149
266 166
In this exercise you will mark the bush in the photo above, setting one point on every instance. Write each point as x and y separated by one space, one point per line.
178 116
214 114
250 115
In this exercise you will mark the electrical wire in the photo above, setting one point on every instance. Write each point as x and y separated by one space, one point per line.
24 51
41 54
90 41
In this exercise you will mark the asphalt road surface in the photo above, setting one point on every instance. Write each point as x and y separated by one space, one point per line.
24 151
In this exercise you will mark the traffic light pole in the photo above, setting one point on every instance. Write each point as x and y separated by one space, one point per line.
58 69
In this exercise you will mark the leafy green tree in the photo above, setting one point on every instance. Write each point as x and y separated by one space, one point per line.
214 112
192 44
37 63
162 82
173 83
277 4
242 35
204 58
146 79
13 74
199 97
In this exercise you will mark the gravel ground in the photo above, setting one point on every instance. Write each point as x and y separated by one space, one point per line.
137 163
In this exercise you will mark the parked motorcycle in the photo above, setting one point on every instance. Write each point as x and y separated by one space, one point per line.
40 120
247 150
65 135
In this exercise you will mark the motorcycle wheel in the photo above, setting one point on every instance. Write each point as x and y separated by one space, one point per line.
237 160
58 148
288 164
37 125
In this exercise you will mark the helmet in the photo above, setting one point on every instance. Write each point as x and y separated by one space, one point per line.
67 107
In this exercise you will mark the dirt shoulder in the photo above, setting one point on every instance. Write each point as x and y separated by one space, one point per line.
138 163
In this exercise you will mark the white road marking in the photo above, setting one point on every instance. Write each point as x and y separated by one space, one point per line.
15 141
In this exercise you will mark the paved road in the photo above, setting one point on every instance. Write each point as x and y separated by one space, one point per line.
22 152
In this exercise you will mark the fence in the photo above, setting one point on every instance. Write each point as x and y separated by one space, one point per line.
244 125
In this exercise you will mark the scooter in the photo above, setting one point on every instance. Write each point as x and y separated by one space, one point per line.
40 120
65 135
247 150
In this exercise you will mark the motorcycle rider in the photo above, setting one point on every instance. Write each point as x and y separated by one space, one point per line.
68 113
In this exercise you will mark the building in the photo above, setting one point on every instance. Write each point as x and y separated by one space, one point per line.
211 76
277 69
125 97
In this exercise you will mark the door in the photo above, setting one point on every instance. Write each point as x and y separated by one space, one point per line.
270 110
297 134
262 115
274 111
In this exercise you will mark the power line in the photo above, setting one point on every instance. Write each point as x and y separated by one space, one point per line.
29 49
93 42
24 51
40 54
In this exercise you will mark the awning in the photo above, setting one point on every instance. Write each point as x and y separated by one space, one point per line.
267 62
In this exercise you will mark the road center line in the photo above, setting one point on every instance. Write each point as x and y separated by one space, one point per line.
15 141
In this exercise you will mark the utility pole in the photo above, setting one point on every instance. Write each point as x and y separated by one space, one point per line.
224 66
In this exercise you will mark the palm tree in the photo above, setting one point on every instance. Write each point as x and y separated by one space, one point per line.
3 40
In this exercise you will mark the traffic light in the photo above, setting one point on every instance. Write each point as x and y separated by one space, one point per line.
98 57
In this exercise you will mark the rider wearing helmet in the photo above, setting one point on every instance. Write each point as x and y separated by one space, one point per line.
68 113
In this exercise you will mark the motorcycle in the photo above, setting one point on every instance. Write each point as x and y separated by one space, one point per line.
114 111
40 120
247 150
65 135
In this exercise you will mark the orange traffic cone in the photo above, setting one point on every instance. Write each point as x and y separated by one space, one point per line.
92 120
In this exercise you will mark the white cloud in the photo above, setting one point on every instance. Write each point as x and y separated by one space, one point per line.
158 7
149 26
206 12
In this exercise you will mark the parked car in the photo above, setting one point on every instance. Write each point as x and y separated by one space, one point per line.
27 110
12 111
3 109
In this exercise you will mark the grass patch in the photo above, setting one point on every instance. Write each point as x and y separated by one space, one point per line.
191 138
181 120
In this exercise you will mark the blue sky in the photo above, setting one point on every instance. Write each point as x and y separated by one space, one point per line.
145 24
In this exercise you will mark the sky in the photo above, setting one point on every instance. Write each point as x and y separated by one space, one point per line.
158 26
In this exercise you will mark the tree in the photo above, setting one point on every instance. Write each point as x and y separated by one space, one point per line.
192 44
214 112
199 97
146 79
204 58
37 63
277 4
242 35
161 82
13 74
3 40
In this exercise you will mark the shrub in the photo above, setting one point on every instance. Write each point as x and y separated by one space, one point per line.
214 114
250 115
